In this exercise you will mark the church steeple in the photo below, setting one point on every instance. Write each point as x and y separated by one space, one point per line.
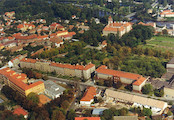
110 20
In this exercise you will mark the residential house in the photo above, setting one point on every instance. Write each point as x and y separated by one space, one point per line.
119 28
21 111
57 41
136 80
156 106
25 26
88 96
54 26
104 44
52 89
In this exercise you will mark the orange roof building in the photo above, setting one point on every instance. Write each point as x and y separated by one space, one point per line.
87 118
20 111
18 82
116 27
88 96
63 69
153 24
167 13
138 81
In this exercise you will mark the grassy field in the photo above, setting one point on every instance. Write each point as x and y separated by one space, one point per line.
160 42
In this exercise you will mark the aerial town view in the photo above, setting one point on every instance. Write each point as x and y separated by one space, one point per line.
86 59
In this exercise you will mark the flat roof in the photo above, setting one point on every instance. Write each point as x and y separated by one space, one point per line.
135 99
171 61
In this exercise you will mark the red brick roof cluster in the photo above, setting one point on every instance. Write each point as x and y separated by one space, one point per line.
89 94
17 78
26 37
78 67
139 78
20 111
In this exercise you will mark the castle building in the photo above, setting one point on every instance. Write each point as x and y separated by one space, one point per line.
116 27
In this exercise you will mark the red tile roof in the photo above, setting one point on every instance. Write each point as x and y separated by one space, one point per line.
167 12
29 60
41 37
20 26
26 37
87 118
104 42
20 111
78 67
17 79
139 79
89 94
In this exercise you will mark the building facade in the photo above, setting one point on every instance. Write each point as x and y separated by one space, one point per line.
18 82
136 80
119 28
156 106
61 69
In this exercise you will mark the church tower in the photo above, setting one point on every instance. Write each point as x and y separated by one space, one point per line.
110 20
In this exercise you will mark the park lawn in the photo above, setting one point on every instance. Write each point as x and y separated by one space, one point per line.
160 42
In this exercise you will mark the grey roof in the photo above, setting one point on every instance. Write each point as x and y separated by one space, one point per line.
159 84
53 87
171 61
98 111
125 118
1 101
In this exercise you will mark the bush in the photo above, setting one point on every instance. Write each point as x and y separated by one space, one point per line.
118 84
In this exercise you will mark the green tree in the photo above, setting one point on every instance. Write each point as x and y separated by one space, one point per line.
147 89
33 97
169 113
147 112
159 92
71 115
118 84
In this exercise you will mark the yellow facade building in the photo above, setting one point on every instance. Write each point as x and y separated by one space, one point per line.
18 82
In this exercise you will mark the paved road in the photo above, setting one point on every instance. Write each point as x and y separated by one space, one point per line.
102 87
130 15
